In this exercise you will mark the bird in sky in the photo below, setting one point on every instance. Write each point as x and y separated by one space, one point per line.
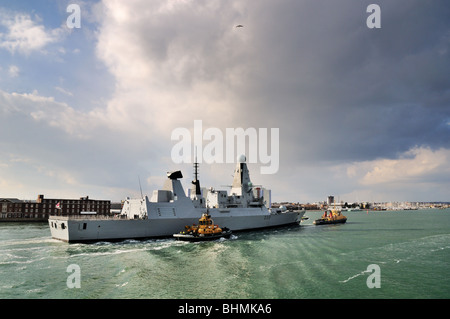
239 26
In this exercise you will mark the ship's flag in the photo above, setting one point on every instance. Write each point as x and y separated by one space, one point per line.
58 206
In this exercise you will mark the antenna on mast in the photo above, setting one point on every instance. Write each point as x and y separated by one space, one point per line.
140 187
195 166
196 182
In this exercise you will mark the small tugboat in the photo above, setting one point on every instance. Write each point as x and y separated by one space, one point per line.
333 216
206 230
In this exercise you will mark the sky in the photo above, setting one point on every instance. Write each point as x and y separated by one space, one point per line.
362 113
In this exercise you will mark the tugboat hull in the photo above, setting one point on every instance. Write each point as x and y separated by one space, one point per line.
195 238
322 221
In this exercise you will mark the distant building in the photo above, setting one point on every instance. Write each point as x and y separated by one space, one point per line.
13 209
330 200
10 208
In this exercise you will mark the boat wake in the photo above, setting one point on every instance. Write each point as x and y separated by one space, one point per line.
354 276
117 248
415 252
39 240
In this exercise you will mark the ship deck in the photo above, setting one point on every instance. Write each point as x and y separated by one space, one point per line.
88 217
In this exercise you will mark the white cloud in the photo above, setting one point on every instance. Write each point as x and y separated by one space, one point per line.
419 174
420 164
25 35
64 91
13 71
173 62
48 145
50 112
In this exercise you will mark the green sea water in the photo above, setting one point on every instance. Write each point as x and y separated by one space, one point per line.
411 249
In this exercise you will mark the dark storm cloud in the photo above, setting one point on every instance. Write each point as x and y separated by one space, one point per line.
336 86
340 93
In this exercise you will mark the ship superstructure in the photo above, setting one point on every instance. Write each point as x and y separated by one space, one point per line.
170 209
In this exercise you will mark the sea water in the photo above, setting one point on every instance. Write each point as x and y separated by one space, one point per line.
411 249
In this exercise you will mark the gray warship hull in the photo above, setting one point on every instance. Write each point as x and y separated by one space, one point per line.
88 229
169 210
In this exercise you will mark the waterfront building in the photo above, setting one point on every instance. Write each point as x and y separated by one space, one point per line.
10 208
13 209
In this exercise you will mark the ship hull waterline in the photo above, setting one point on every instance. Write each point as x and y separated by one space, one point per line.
319 222
169 210
93 230
197 238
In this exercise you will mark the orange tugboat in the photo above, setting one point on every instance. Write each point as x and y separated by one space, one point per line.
206 230
332 216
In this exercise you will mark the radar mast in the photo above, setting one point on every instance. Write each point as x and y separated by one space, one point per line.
196 188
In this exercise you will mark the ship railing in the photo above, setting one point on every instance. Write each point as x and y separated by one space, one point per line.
93 217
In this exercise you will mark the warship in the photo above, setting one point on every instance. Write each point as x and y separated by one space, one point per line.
170 209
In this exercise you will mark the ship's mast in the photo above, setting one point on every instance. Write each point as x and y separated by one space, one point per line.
196 182
195 169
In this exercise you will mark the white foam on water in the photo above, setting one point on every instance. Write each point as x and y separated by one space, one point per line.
354 276
122 285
